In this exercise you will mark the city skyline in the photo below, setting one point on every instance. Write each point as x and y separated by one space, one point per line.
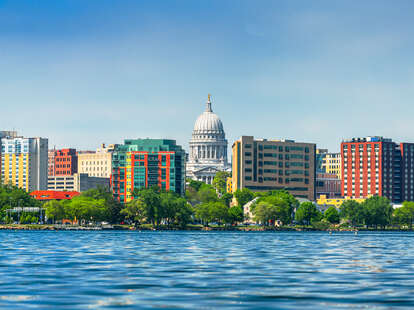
317 72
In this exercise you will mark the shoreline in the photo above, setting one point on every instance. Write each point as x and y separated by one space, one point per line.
39 227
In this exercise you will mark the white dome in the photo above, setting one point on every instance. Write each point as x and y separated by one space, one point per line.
208 122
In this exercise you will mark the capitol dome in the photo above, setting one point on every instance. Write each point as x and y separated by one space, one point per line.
208 122
208 147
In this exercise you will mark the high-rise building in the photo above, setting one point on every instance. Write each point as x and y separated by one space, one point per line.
24 162
263 165
65 162
377 166
143 163
96 164
208 147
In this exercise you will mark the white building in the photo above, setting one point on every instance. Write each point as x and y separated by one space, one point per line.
208 147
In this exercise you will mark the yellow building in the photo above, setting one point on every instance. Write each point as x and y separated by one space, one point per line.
24 162
331 163
335 202
229 185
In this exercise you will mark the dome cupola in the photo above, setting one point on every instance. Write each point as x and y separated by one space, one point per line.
208 122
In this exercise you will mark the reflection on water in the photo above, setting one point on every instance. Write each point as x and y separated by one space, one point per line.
131 270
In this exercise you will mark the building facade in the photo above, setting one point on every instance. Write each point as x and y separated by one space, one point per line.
377 166
96 164
51 162
263 165
65 162
208 147
332 164
324 202
319 160
78 182
6 134
24 162
327 162
328 185
143 163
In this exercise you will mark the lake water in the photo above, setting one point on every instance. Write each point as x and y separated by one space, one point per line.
206 270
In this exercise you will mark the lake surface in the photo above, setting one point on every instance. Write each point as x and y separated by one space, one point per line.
206 270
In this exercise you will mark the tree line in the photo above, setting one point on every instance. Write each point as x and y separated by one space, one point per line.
207 205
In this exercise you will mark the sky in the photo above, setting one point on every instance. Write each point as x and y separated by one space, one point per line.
85 72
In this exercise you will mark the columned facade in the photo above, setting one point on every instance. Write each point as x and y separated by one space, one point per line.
208 147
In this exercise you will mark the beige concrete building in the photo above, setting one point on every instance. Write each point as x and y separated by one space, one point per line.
78 182
263 165
96 164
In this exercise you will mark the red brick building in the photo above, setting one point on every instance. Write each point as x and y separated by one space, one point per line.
377 166
63 162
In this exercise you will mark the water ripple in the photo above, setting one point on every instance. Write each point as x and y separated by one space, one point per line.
187 270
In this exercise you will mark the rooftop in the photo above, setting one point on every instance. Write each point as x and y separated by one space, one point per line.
368 139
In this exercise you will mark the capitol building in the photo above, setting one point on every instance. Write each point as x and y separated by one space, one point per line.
208 147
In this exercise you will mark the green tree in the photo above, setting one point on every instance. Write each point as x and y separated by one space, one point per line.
405 214
332 215
306 213
195 185
264 212
352 211
283 209
235 214
202 213
219 212
207 194
12 196
168 207
183 213
220 181
135 211
112 207
152 201
243 196
378 211
85 208
54 210
226 199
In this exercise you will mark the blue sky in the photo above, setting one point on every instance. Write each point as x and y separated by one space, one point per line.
86 72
